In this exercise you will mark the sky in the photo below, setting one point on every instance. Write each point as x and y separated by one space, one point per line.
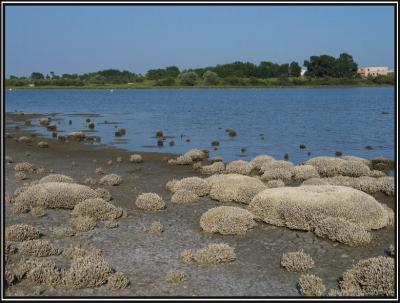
80 39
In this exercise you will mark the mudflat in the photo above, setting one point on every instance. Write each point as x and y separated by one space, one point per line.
145 257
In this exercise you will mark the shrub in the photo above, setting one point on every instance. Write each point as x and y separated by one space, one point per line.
24 167
215 253
188 78
156 227
275 183
43 144
304 172
259 161
83 223
210 78
103 194
19 176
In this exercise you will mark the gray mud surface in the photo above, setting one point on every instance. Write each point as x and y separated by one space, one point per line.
147 257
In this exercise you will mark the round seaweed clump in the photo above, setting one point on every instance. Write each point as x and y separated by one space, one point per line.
21 232
54 195
56 178
297 261
184 197
150 202
227 220
239 167
300 207
370 277
97 209
234 188
111 179
311 286
196 185
215 168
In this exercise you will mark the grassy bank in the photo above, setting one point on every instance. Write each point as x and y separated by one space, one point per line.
236 83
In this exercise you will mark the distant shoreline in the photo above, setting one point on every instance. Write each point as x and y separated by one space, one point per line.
191 87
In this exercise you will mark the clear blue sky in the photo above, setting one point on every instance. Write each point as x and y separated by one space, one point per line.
78 39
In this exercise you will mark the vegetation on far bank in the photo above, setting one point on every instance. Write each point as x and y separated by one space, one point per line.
322 70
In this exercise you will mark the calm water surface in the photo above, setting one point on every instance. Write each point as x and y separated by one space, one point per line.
325 120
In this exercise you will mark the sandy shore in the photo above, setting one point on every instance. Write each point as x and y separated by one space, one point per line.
146 257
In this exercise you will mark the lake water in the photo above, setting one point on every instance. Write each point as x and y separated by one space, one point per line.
326 120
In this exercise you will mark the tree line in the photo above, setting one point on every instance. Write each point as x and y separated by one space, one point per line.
319 69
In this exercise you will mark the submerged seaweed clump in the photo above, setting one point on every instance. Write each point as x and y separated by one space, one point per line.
227 220
297 261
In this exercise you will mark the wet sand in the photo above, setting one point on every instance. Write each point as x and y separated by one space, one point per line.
145 257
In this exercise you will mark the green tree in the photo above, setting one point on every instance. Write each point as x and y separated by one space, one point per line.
210 78
345 67
294 69
37 76
320 66
188 78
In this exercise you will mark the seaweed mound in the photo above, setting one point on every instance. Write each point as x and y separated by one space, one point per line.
135 158
117 281
83 223
275 183
341 230
87 271
175 276
111 179
196 154
56 178
300 207
97 209
366 184
39 248
24 167
311 286
257 162
212 254
304 172
227 220
297 261
370 277
54 195
21 232
234 188
346 166
215 168
239 167
184 197
150 202
196 185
